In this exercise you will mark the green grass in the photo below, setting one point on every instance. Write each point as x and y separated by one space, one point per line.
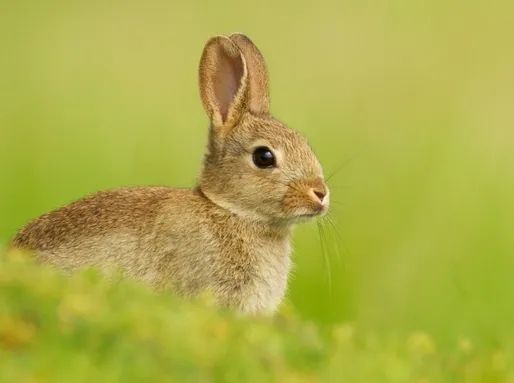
55 328
409 103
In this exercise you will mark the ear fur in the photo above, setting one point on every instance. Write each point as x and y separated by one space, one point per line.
258 90
223 82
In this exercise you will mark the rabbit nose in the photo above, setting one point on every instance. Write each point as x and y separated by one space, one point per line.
320 194
318 191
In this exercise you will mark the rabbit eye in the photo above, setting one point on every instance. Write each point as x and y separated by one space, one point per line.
263 157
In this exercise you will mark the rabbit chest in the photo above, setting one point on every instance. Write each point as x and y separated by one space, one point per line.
266 280
250 271
244 264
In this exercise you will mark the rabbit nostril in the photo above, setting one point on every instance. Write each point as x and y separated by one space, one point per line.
320 194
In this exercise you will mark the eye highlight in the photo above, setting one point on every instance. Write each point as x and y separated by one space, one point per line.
264 158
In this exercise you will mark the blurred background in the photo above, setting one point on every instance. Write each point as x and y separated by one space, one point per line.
409 105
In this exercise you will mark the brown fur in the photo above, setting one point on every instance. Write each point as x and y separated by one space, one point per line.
231 234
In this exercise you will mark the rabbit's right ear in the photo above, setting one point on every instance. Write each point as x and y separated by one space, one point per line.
223 82
258 92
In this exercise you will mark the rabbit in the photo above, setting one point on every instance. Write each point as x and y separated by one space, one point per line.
230 235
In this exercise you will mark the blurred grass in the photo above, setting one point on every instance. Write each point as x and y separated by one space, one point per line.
411 101
82 328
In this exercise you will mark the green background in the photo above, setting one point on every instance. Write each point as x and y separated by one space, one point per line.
409 104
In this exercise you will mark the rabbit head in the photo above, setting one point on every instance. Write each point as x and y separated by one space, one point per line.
255 165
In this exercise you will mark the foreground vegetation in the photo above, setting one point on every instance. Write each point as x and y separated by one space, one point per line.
83 328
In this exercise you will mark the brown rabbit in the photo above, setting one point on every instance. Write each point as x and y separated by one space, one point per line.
230 235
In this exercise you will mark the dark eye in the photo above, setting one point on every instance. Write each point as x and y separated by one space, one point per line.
263 157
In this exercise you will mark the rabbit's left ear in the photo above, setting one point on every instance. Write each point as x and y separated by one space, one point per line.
258 90
223 83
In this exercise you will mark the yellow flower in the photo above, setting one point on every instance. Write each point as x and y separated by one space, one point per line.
15 332
421 344
465 345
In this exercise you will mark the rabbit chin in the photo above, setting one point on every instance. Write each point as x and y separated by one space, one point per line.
306 216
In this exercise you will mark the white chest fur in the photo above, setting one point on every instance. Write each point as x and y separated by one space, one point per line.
268 283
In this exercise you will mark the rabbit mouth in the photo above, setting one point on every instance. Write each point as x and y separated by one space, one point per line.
319 212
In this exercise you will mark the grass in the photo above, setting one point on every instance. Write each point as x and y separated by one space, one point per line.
56 328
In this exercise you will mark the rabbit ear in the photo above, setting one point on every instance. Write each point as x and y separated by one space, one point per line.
258 92
223 82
